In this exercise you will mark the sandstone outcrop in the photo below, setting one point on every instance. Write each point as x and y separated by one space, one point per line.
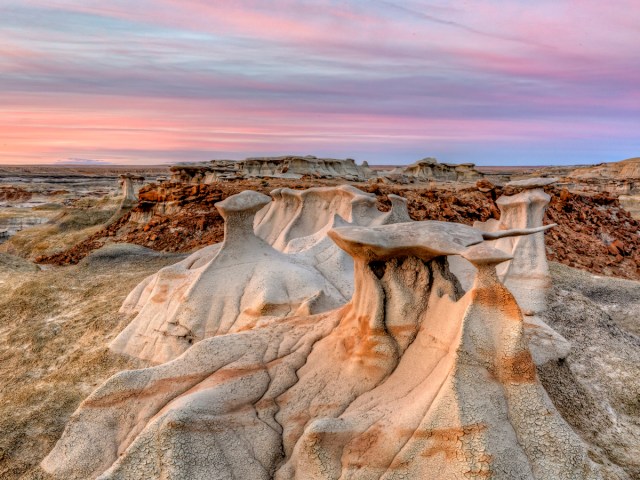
288 166
127 183
412 378
626 169
276 260
430 169
617 178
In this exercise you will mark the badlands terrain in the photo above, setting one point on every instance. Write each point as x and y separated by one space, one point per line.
301 317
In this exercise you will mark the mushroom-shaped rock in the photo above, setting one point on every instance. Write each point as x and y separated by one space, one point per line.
244 280
127 183
483 254
246 203
409 379
527 274
426 240
239 212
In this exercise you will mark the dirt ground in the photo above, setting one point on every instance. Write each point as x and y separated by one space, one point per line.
597 387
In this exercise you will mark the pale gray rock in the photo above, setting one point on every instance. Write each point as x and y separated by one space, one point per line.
128 184
430 169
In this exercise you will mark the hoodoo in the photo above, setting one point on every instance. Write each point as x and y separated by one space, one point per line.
276 260
411 378
127 182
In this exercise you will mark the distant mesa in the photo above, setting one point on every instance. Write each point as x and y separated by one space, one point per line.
295 167
288 166
430 169
82 161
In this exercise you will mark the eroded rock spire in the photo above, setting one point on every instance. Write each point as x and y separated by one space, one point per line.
411 378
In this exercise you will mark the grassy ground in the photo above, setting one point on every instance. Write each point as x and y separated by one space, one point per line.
54 328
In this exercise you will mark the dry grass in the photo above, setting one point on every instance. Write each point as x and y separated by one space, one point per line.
54 328
64 229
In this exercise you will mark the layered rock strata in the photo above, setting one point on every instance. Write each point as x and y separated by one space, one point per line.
430 169
289 166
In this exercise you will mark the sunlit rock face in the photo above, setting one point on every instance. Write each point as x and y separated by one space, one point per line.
411 378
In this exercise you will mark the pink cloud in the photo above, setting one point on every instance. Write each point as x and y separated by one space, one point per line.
199 76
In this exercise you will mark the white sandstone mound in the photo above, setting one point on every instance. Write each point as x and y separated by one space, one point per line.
276 260
410 379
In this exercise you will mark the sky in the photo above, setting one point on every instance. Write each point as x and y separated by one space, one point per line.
494 82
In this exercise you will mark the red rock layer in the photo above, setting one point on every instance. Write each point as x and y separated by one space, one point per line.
594 232
14 194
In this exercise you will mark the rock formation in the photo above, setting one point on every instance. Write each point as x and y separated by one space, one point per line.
288 266
412 378
14 194
622 178
625 169
266 377
526 275
127 182
430 169
289 166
